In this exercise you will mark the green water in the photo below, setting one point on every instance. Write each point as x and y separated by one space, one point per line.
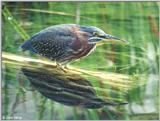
136 22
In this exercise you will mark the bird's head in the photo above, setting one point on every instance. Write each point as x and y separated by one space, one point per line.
98 36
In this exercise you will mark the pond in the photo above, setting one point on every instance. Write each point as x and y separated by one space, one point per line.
117 81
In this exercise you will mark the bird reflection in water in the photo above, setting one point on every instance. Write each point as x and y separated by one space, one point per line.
65 88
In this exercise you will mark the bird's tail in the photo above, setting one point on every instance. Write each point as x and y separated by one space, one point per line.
21 49
25 46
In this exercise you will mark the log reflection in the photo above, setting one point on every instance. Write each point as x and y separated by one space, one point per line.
65 88
74 86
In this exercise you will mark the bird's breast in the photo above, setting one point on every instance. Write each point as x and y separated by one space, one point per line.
80 46
83 51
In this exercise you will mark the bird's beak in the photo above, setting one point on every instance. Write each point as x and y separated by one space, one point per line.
102 39
107 37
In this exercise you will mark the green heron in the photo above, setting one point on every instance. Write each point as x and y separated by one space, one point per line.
66 42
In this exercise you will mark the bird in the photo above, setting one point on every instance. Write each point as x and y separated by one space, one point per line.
65 43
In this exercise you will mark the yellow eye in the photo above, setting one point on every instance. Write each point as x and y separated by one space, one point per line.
95 34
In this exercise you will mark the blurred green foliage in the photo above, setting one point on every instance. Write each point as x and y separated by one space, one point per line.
136 22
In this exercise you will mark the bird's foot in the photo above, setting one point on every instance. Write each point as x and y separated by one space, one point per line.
66 67
63 68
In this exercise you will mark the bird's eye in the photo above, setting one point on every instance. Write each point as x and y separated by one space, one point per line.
95 34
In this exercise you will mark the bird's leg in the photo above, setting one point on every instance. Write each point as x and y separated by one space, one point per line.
65 66
61 67
57 64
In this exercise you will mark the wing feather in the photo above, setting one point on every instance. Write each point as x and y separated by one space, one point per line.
52 44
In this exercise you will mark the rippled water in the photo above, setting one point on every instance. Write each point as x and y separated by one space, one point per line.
94 87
